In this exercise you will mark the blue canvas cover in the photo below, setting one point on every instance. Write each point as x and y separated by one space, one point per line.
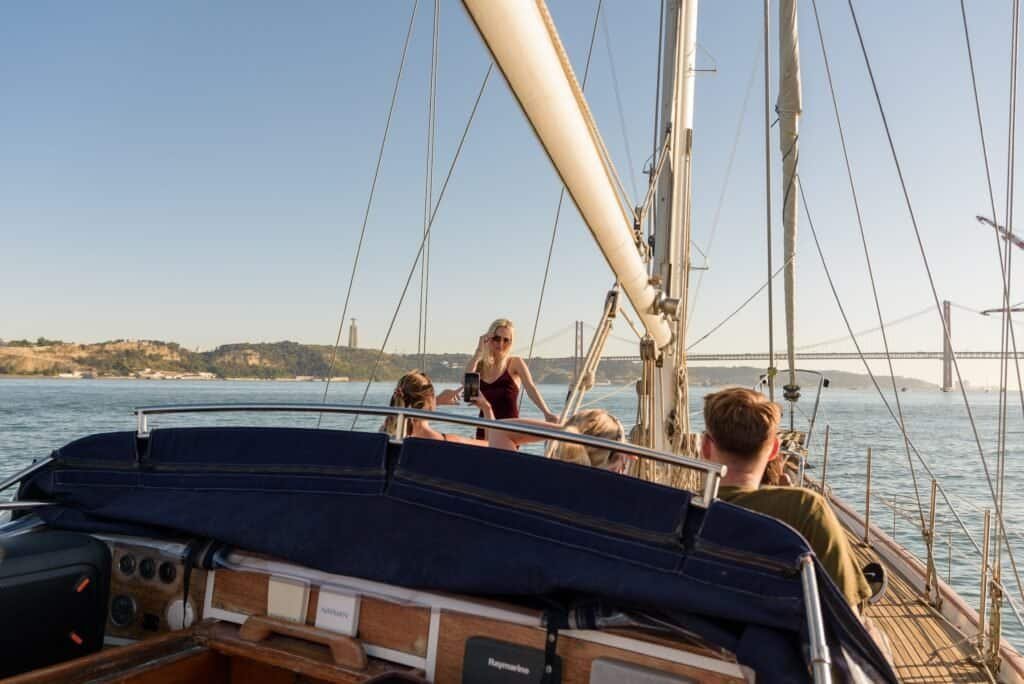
453 517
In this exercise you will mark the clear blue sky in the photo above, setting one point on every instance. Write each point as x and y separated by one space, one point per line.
198 172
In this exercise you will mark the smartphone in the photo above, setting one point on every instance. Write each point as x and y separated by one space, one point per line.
471 387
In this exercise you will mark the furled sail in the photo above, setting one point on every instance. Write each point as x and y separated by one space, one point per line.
789 108
527 49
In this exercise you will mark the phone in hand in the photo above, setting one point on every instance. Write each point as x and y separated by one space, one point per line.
471 387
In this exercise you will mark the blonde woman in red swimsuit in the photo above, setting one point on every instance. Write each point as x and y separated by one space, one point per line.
502 375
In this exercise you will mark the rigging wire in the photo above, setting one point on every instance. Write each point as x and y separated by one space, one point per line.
716 217
749 299
871 374
934 291
618 102
428 187
561 199
369 204
871 272
1007 272
768 199
426 236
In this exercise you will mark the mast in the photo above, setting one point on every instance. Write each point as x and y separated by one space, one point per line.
789 108
672 225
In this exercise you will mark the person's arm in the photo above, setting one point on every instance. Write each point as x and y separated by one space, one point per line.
523 371
449 396
478 355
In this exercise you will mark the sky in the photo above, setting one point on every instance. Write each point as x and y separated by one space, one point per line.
198 172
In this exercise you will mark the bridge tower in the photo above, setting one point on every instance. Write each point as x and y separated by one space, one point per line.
947 349
353 335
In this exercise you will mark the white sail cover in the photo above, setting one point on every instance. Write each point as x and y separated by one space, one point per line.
526 47
790 104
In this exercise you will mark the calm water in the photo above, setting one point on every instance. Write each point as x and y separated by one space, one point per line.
38 415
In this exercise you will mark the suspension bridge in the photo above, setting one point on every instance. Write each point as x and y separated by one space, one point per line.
946 356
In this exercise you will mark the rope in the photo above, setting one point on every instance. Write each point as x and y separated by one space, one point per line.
426 235
749 299
618 391
871 270
618 102
631 324
428 187
725 187
931 283
369 204
561 200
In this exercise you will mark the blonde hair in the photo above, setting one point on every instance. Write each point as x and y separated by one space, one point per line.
414 390
740 420
594 423
490 359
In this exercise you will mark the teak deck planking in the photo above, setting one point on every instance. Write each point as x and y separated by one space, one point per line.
925 647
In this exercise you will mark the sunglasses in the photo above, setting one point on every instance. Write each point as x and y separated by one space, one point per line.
499 338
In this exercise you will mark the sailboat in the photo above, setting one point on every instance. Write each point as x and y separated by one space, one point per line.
285 554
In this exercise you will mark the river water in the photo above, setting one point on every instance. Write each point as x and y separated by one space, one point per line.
38 415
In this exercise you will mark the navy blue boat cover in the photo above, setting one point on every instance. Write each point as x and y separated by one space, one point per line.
465 519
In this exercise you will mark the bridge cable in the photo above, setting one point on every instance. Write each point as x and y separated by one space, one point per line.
426 235
871 272
931 282
369 204
428 187
561 200
860 333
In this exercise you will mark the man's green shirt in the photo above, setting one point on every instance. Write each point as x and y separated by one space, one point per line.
810 515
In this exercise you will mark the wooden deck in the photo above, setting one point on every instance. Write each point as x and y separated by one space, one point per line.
925 647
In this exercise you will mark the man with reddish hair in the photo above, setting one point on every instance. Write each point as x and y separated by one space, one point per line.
740 433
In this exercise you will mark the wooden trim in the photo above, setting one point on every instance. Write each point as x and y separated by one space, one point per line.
346 651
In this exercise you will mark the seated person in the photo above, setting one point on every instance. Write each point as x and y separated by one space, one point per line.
592 422
415 391
740 433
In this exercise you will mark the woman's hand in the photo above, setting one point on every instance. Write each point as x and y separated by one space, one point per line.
485 406
481 347
551 417
449 396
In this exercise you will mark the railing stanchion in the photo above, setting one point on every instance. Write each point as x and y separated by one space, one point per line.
894 517
867 503
824 462
982 607
949 557
931 579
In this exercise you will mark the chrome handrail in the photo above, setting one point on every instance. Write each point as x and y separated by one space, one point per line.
821 661
713 471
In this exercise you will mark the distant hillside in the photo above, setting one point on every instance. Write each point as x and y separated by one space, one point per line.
127 358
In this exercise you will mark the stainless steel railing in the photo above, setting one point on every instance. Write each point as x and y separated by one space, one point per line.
713 471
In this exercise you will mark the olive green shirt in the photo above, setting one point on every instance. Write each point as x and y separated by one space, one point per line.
810 515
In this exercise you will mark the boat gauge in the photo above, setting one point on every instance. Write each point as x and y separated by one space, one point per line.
167 572
126 564
147 568
123 610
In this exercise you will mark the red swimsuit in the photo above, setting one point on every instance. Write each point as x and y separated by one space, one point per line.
503 395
